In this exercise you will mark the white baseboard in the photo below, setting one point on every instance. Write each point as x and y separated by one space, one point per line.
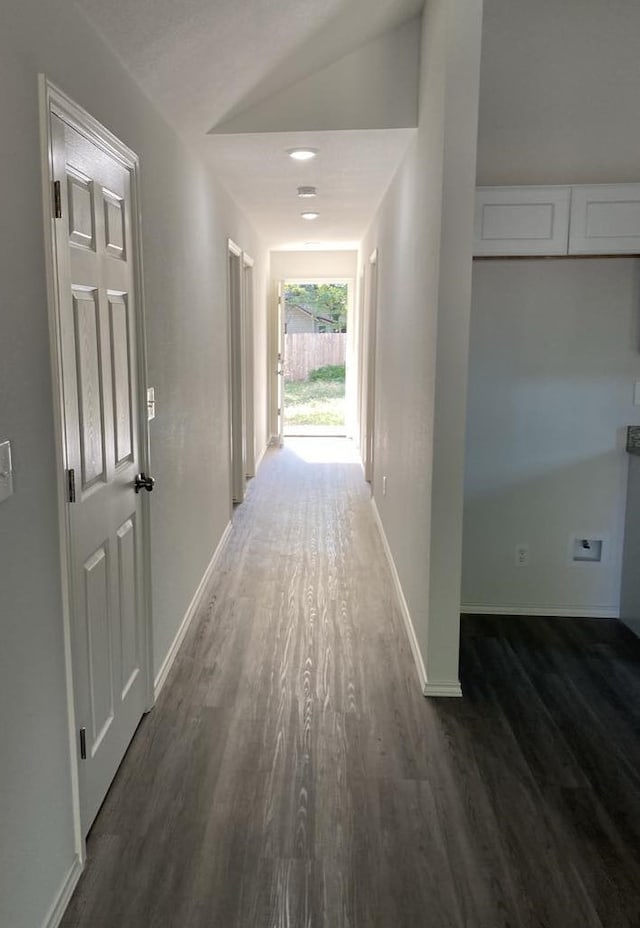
64 894
446 688
442 689
562 612
167 663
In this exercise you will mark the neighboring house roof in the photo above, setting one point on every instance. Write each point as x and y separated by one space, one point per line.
312 315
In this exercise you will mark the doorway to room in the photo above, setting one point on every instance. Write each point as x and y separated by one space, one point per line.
314 356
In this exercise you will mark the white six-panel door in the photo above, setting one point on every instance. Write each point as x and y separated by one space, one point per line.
95 272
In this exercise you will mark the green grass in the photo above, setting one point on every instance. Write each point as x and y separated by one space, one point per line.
317 402
328 372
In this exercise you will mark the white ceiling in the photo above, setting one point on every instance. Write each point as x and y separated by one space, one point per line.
203 62
351 172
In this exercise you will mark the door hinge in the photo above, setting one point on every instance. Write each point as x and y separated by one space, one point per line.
71 485
279 411
83 743
57 200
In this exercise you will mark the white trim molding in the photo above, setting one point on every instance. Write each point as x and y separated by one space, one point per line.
192 609
402 602
561 612
443 688
453 689
63 897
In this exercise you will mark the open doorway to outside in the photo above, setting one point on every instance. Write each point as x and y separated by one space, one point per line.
314 356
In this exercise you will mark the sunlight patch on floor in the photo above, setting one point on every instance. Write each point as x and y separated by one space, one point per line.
324 450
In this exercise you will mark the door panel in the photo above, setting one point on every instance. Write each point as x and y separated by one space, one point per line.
98 335
96 584
90 394
114 225
122 405
81 211
127 584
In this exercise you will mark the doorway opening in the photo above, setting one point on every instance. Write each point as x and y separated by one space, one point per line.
315 357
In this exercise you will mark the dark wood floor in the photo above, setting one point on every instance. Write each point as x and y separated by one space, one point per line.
292 776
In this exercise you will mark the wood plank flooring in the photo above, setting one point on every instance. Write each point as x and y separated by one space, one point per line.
292 775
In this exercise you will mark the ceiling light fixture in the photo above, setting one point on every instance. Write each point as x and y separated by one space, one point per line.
307 192
309 215
302 154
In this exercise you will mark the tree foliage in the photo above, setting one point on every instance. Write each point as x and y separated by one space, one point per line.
327 302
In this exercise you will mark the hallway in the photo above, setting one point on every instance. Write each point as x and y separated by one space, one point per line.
292 776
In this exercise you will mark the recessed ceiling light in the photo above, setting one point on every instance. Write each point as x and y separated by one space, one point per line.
309 215
302 154
307 192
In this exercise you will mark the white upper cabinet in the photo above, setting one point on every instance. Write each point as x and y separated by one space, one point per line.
522 220
605 220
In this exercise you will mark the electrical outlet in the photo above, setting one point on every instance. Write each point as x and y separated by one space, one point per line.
384 485
522 555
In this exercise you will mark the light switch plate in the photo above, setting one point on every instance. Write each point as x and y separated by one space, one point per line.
6 473
636 393
151 403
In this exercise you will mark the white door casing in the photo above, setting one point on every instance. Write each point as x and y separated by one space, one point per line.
359 348
280 361
370 369
249 365
98 365
237 390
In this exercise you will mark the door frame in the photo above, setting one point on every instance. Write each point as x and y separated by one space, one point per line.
279 365
54 102
249 363
352 362
368 391
237 385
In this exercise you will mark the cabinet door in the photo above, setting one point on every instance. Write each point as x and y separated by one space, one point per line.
522 220
605 220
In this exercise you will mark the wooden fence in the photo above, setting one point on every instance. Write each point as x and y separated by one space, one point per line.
304 352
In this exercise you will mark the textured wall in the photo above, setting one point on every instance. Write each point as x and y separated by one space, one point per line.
423 236
187 218
554 356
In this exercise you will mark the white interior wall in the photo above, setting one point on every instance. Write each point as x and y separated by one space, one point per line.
423 235
554 358
559 92
186 219
310 264
552 353
373 87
